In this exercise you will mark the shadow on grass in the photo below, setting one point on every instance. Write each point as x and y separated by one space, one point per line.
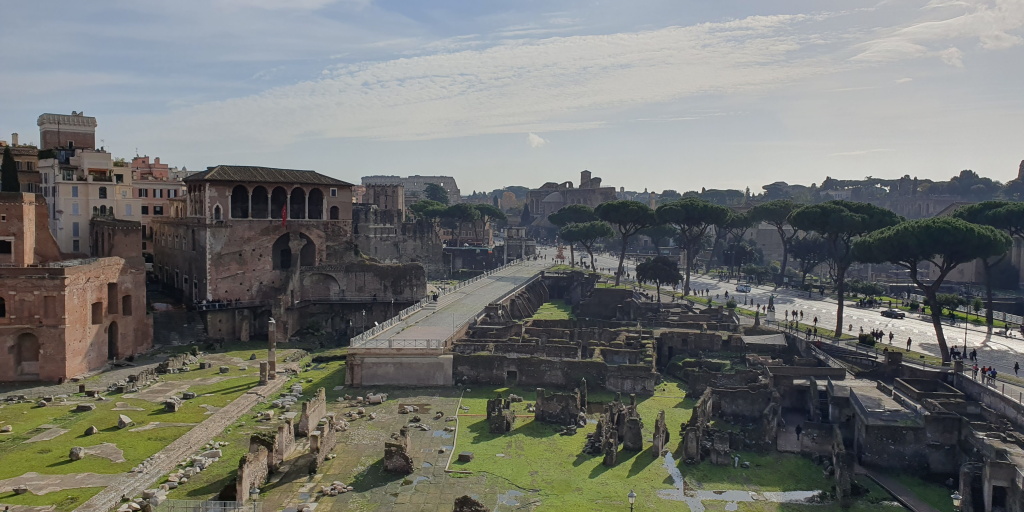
60 463
373 477
641 462
623 456
534 429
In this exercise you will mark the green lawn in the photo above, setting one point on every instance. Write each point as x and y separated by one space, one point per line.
65 500
554 310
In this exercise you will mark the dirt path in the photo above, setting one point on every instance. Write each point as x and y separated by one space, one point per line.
132 484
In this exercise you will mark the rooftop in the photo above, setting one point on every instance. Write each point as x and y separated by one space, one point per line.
248 173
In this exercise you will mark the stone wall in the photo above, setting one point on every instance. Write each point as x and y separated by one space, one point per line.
560 408
537 371
284 444
321 443
312 411
253 468
398 453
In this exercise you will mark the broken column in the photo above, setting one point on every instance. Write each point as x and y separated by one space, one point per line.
500 417
271 349
396 453
660 435
264 369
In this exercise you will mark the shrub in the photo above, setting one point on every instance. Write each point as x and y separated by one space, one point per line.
731 304
866 339
914 306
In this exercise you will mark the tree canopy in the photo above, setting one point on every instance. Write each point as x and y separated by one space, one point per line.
692 217
943 242
1005 215
586 234
9 173
660 270
435 192
628 217
571 214
838 223
776 214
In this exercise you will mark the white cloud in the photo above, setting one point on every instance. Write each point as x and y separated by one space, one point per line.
535 140
904 80
952 56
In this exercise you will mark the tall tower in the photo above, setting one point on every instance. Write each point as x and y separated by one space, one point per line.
60 130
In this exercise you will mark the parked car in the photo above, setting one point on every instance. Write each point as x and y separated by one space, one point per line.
893 313
743 288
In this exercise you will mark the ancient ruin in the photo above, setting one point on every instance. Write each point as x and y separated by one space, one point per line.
500 416
397 453
312 411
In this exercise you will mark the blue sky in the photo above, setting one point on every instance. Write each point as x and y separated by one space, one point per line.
646 93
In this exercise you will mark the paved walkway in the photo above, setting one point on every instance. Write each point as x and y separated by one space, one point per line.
439 321
900 491
132 484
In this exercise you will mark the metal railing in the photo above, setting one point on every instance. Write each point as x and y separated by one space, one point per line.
208 506
210 306
361 339
426 344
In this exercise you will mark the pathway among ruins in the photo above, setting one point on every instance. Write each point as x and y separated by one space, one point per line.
161 463
901 492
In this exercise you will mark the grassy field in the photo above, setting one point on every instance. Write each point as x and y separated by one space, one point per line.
51 457
554 310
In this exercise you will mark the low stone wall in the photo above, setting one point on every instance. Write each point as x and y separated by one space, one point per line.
253 468
321 442
537 371
312 411
560 408
921 389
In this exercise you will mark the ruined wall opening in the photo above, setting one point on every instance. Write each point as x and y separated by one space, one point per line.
316 204
260 203
307 255
26 354
112 298
126 305
297 207
112 341
216 212
335 213
97 313
282 254
3 308
278 202
239 202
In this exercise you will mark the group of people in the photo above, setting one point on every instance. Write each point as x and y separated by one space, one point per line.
988 373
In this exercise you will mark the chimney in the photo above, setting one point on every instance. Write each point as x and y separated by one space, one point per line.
14 139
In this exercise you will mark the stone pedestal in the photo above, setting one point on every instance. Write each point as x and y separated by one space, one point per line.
264 368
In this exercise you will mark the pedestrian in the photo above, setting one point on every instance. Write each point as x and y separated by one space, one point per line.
1016 368
974 355
974 371
984 374
909 341
891 336
799 430
992 376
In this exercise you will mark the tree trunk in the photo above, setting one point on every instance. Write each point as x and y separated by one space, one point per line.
686 282
622 258
840 289
936 314
989 318
590 251
572 256
785 260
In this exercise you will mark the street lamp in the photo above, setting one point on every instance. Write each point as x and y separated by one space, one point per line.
632 499
956 500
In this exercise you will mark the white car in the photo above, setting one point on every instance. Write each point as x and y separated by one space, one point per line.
743 288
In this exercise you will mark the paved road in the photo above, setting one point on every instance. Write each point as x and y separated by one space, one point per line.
439 321
993 350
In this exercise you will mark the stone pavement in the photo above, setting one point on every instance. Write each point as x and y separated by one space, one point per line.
439 321
161 463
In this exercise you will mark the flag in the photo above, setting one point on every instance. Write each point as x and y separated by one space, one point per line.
284 216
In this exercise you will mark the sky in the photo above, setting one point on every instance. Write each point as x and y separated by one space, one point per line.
655 94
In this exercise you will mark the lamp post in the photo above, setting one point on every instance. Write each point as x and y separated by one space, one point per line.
632 499
956 500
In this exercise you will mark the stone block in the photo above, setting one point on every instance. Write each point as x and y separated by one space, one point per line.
77 453
92 430
225 369
465 456
124 421
85 407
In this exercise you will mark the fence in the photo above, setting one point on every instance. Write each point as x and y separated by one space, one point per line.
362 338
208 506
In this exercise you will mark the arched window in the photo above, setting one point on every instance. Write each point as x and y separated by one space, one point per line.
216 212
239 202
260 203
278 202
334 212
297 208
307 255
316 204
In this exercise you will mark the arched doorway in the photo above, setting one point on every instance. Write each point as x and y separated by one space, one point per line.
112 352
239 202
334 213
260 203
278 201
298 204
282 254
26 354
307 255
316 204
